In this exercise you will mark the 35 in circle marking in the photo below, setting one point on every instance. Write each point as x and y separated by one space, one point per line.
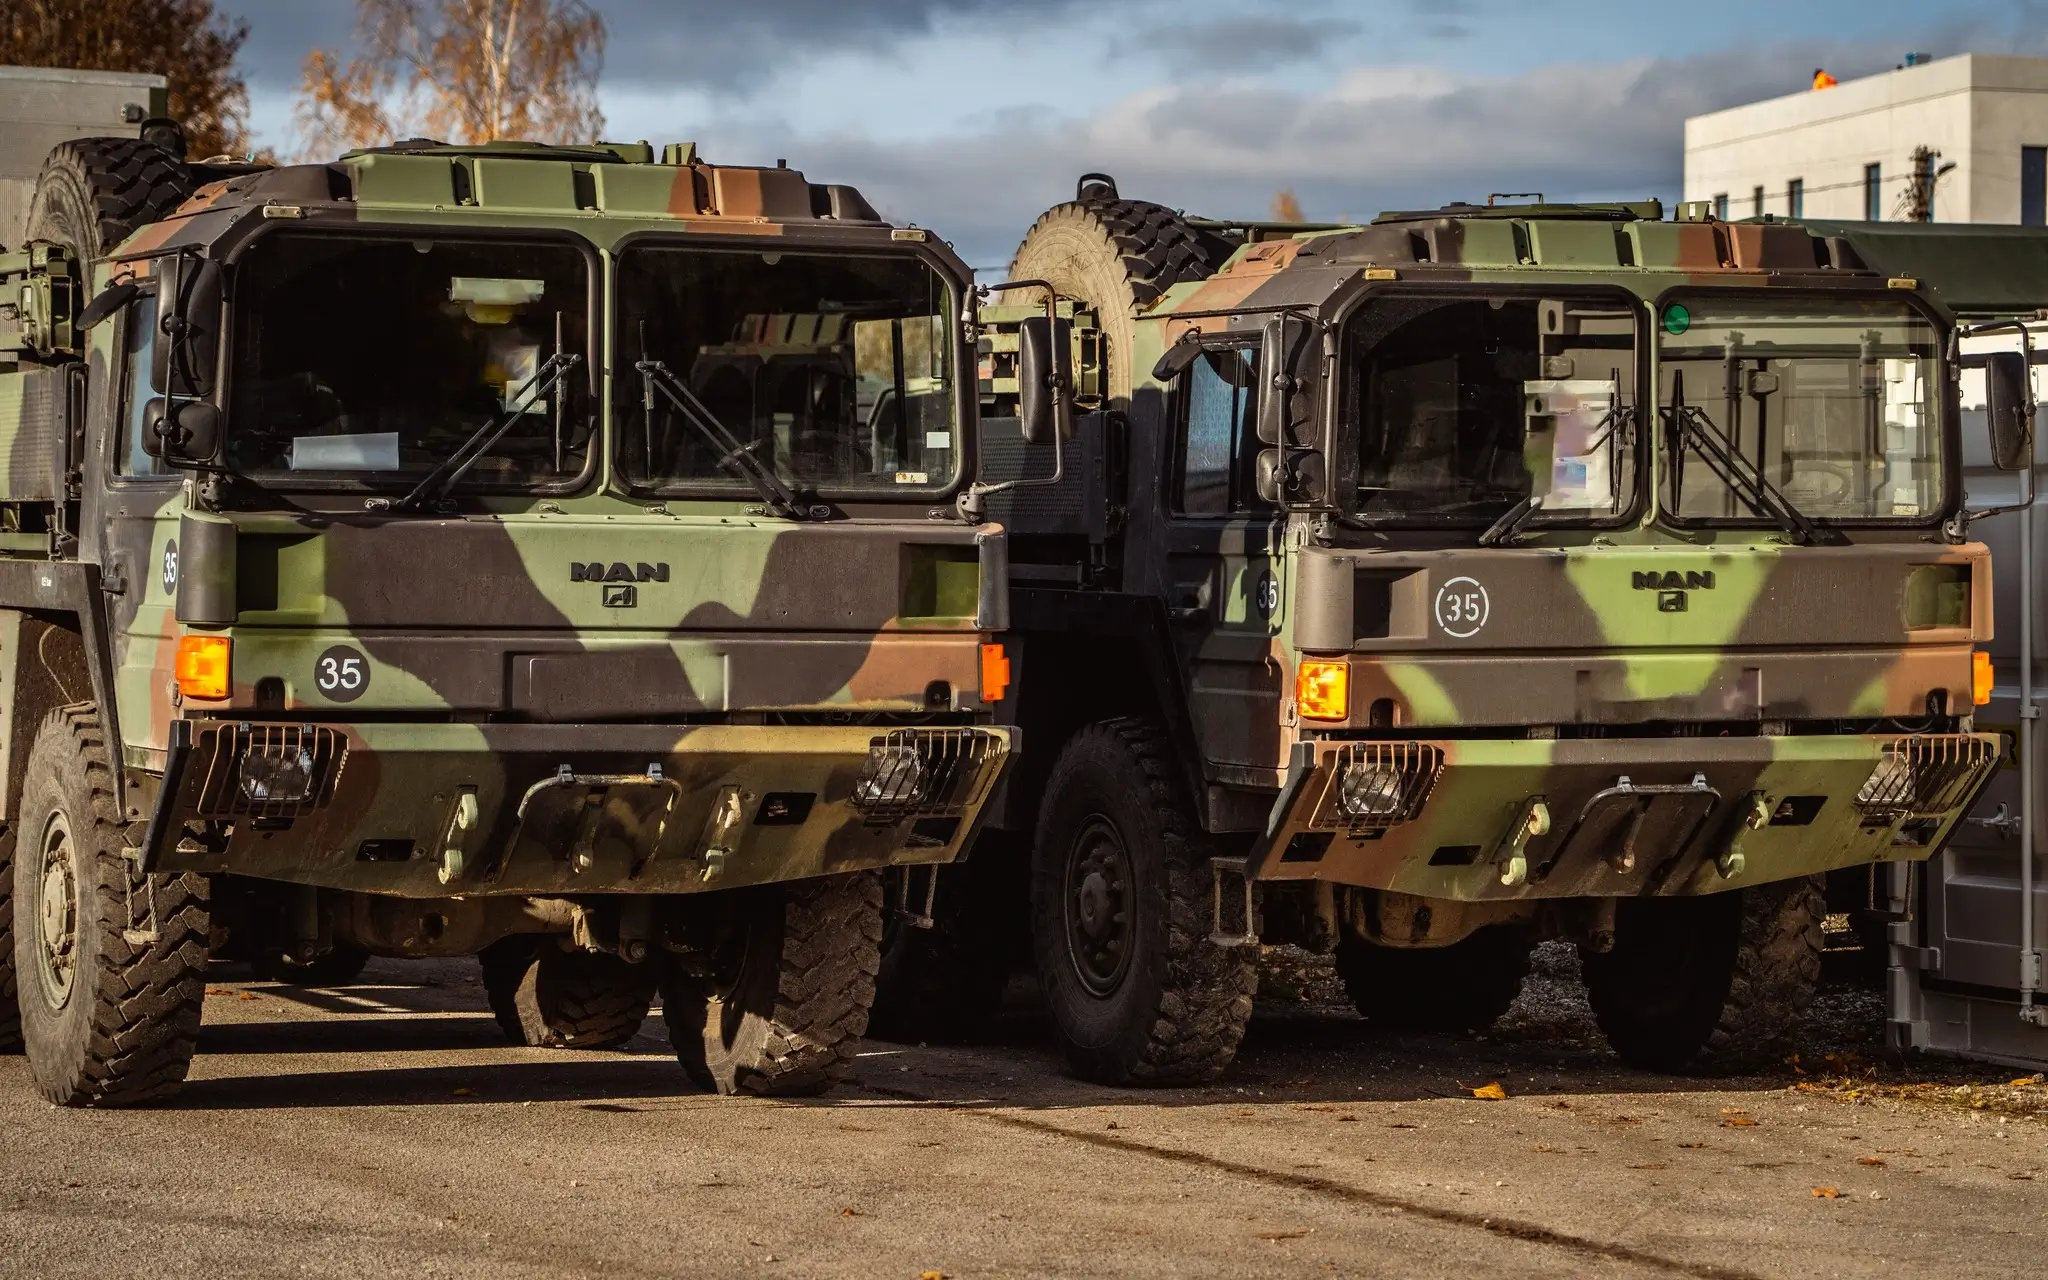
341 674
1462 607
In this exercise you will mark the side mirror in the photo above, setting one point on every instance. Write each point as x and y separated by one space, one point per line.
110 300
1283 481
1044 382
187 434
188 326
1177 357
1280 349
2008 410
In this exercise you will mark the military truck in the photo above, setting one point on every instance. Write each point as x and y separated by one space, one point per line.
1419 590
507 550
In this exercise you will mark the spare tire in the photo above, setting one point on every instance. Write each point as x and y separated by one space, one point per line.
1117 256
93 193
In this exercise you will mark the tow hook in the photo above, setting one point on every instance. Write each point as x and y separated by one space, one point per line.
1220 868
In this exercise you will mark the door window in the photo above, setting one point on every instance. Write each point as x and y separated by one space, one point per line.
1219 438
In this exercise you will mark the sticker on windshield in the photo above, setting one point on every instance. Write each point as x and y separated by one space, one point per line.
1462 607
912 477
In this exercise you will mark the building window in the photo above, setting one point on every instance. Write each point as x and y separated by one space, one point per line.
1873 193
1756 202
1795 198
2033 186
1721 206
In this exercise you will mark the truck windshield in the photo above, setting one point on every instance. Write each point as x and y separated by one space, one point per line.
835 369
362 360
1828 408
1461 408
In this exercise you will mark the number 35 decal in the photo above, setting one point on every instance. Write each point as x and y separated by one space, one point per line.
1462 607
341 674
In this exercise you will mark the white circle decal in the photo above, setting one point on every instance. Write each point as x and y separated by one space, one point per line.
1461 607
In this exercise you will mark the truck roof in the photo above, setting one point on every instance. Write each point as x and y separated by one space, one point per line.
527 185
1973 268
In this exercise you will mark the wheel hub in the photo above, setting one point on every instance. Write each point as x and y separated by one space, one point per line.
57 916
1098 907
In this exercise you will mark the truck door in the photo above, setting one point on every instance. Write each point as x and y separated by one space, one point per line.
1225 591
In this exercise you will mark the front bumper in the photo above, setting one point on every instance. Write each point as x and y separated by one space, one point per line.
1498 819
438 810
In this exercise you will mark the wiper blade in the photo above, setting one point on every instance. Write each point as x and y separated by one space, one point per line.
1692 426
1511 521
482 440
733 456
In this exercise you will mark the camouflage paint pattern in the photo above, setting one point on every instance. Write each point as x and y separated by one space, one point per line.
1779 686
753 664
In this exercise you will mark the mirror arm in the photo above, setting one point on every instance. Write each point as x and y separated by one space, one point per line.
973 504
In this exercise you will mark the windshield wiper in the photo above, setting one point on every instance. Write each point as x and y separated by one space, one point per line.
537 390
737 458
1511 521
1690 424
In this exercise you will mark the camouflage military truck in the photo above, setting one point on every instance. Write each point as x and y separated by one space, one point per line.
1420 590
506 550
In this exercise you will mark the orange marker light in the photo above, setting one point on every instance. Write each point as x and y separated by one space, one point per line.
1980 677
1323 689
202 666
995 673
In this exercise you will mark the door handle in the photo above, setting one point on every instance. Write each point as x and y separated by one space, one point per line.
1189 615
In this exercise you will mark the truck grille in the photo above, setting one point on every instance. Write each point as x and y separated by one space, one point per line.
266 770
925 773
1926 773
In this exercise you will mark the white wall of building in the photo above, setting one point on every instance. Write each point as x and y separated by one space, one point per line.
1978 110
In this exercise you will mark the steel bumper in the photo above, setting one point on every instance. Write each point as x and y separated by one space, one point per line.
438 810
1493 819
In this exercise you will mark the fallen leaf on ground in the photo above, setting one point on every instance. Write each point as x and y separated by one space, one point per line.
1738 1122
1826 1193
1874 1162
2024 1081
245 995
463 1093
1490 1092
851 1212
931 1275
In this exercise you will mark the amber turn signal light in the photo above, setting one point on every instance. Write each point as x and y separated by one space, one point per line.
1980 677
995 673
1322 690
202 666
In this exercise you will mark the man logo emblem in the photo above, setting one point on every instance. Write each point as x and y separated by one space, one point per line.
621 595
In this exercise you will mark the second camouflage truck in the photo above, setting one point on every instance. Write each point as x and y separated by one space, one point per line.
506 550
1421 590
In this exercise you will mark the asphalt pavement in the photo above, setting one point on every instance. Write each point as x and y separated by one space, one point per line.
385 1129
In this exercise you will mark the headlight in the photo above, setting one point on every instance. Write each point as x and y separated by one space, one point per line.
893 778
278 777
1370 791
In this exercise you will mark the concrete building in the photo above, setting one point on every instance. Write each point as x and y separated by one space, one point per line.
1848 152
40 108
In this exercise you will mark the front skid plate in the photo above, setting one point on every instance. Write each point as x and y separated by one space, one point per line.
1693 795
573 809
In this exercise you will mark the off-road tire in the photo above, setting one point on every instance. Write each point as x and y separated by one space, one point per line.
94 193
1164 1005
10 1008
1709 984
783 1010
1118 256
944 984
120 1029
1466 986
549 998
338 967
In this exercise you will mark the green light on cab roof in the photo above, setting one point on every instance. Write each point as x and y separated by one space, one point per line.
1677 319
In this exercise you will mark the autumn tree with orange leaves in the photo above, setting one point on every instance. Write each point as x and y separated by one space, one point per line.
458 70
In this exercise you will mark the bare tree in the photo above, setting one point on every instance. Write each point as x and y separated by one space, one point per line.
185 41
463 70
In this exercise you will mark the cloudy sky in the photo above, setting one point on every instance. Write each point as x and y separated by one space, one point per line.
971 116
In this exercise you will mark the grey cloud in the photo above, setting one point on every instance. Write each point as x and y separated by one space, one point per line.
1241 44
1383 138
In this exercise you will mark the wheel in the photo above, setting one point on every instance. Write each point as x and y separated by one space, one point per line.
550 998
782 1005
109 1013
1120 910
339 967
1708 984
1466 986
94 192
1117 255
945 983
10 1008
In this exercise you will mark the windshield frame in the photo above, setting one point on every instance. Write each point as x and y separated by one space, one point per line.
1344 428
624 378
401 482
1945 400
